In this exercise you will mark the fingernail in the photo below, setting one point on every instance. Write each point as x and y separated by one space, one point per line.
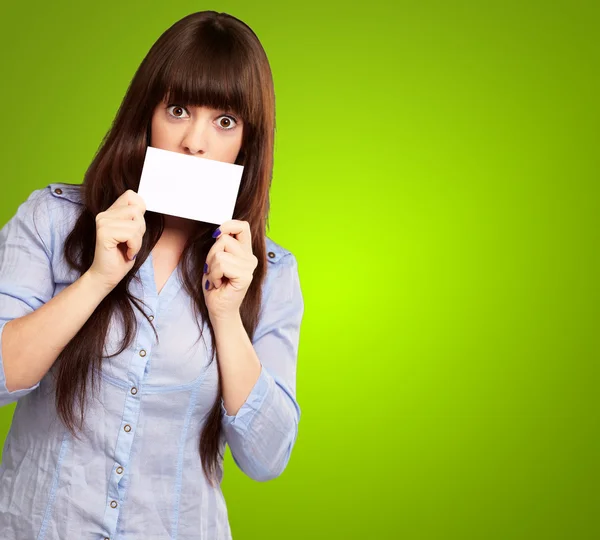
205 268
216 233
207 285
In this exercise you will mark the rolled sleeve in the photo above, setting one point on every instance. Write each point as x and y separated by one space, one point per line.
251 406
6 396
26 280
263 432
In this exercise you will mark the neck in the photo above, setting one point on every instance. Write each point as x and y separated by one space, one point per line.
176 231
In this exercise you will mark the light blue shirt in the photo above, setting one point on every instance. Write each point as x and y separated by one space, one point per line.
136 472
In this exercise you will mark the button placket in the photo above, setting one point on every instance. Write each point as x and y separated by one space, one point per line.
116 488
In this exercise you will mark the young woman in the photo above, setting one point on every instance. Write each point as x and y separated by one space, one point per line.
137 345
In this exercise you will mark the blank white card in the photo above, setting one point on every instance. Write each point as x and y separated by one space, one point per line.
188 186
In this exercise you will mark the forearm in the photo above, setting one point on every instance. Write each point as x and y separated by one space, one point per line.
31 344
239 364
262 434
261 417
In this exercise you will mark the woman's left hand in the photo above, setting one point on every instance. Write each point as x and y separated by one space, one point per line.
228 271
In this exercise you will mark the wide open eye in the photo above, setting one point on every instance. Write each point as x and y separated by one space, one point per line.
230 123
178 110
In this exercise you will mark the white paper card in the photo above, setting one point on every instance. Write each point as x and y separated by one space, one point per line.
188 186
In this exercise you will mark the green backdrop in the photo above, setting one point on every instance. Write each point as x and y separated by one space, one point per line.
436 175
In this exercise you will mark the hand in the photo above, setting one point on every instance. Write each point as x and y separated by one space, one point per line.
122 223
229 269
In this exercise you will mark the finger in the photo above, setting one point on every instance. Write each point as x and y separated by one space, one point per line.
130 198
134 244
224 244
240 229
225 265
228 244
122 214
123 232
130 212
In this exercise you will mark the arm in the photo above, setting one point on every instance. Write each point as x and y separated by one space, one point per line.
34 326
260 411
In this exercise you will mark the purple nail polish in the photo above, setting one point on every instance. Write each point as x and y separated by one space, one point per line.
216 233
205 268
207 285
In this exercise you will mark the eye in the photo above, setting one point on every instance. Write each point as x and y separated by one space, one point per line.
178 109
227 126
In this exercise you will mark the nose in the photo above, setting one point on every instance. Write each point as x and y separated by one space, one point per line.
195 140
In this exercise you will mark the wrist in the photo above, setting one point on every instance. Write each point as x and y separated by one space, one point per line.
226 323
94 284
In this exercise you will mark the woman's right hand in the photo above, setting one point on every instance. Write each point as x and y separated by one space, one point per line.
122 223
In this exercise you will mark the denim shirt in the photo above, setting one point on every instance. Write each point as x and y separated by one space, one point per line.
135 472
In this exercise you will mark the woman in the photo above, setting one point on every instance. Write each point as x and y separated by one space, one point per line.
137 345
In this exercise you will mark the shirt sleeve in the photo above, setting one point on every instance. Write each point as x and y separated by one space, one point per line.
263 432
26 279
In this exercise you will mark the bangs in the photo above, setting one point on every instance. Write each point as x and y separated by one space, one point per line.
211 74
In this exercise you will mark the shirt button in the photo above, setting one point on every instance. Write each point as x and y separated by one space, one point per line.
106 538
271 255
127 428
113 504
134 390
151 317
119 470
142 352
58 191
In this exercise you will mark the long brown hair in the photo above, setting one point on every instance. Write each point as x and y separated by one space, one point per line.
205 59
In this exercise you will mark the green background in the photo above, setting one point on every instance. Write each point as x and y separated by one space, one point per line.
436 176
